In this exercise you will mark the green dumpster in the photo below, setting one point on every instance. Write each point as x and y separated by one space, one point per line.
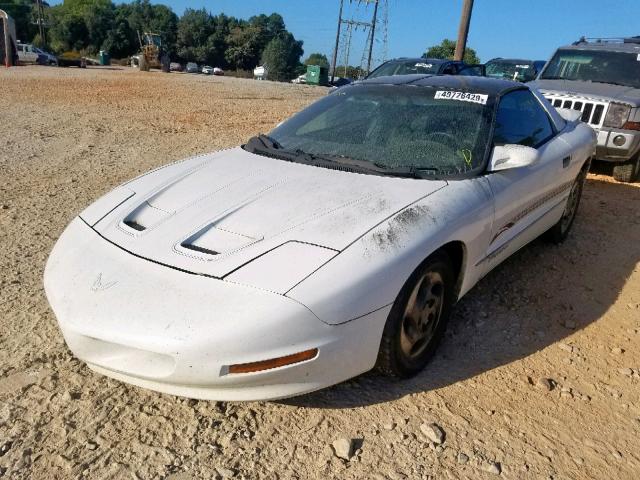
104 58
317 75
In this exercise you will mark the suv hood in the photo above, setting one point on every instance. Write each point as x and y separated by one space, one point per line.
214 213
595 91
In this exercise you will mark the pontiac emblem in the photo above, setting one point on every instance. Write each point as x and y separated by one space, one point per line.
99 285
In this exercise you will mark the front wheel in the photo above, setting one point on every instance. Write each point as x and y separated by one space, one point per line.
628 171
418 318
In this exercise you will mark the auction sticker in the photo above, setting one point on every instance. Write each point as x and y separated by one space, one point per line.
461 96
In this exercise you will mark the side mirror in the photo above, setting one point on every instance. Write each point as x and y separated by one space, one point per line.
509 156
570 115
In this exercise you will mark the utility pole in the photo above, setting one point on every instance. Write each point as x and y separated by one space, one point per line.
335 50
373 34
463 29
41 30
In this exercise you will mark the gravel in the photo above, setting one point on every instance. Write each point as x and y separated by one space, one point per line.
433 432
102 127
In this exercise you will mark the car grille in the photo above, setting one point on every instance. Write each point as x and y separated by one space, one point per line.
593 112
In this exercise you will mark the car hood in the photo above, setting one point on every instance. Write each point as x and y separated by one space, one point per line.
596 91
214 213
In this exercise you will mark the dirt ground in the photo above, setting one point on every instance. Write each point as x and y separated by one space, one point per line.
569 314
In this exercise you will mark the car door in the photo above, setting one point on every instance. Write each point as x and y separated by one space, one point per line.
30 55
476 70
526 199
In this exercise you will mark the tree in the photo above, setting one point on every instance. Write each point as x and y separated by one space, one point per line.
447 49
281 57
244 46
22 12
121 40
194 29
319 59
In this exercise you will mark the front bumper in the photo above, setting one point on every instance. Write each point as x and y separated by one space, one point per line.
608 151
176 332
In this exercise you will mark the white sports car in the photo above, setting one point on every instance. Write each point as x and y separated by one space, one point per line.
337 243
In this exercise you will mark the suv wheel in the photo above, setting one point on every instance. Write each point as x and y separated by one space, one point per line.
628 171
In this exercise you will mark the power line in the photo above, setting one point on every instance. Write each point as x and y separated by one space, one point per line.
354 23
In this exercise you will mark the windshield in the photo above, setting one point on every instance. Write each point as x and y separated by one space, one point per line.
409 67
441 131
520 71
595 66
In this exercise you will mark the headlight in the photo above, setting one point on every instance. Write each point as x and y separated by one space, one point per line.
282 268
617 115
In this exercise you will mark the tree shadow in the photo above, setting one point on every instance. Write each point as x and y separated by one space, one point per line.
536 298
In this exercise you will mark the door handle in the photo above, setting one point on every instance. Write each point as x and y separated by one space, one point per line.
566 161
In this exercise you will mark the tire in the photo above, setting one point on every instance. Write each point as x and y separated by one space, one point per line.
559 232
628 171
418 318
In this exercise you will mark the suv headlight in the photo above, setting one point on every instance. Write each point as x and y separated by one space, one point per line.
617 115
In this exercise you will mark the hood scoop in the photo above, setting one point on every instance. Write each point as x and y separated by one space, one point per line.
213 214
144 217
212 241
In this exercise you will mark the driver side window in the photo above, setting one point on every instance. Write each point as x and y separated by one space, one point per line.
521 120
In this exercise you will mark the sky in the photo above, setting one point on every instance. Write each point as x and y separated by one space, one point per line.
529 29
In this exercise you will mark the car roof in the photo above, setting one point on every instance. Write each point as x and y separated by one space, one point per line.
418 59
511 60
490 86
605 46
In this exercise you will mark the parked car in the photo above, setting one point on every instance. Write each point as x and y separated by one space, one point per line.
601 79
340 82
413 66
27 53
218 71
175 67
539 64
46 58
192 67
336 243
300 79
72 59
207 70
512 69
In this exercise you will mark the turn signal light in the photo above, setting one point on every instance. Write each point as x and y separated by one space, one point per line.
631 126
274 362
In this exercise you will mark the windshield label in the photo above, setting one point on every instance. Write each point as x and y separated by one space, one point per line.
424 65
461 96
522 66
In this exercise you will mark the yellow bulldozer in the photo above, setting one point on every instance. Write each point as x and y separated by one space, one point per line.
152 55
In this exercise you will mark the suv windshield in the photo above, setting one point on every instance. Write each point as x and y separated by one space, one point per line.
433 130
408 67
595 66
521 71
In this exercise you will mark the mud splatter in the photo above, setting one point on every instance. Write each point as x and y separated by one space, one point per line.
402 223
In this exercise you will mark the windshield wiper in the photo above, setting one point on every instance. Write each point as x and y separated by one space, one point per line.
262 140
268 146
376 168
